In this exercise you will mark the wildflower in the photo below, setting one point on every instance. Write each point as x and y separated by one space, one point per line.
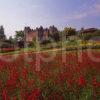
24 73
35 94
14 98
4 94
70 82
0 83
95 83
82 81
22 95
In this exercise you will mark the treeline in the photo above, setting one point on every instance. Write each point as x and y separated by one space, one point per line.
67 34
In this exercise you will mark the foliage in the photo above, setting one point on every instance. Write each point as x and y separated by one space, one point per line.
69 31
19 36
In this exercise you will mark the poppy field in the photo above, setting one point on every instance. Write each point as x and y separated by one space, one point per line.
24 78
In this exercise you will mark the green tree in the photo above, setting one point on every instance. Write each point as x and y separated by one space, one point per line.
68 31
11 38
1 30
54 33
2 35
19 36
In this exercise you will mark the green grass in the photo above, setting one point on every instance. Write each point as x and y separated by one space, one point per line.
67 46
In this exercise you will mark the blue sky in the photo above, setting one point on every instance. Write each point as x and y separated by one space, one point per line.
15 14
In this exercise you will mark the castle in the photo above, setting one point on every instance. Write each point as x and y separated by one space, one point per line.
43 34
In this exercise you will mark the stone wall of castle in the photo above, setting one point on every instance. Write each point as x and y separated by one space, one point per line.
42 33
